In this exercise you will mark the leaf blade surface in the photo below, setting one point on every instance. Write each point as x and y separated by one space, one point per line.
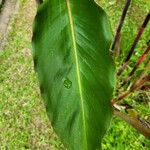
71 53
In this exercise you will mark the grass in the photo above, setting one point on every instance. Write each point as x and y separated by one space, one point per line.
23 120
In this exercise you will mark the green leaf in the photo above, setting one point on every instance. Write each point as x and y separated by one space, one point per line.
71 43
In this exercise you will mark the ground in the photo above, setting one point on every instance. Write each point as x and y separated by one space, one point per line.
23 120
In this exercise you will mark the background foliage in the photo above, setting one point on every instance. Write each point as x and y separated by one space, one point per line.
23 121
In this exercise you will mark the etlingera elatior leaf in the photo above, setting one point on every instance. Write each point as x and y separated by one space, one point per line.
71 42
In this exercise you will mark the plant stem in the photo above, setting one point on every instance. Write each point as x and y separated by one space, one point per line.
138 83
135 122
117 36
140 60
141 30
117 47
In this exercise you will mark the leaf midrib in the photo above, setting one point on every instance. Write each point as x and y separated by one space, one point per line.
77 66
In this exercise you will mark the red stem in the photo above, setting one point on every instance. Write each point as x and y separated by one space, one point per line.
141 30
